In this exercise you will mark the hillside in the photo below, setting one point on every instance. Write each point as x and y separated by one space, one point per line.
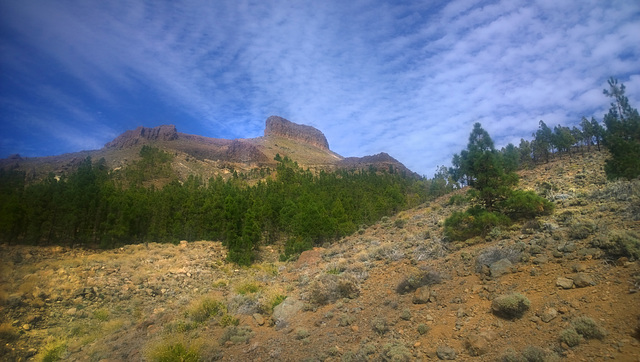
353 300
209 157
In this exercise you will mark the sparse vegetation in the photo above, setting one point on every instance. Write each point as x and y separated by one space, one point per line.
510 306
570 337
174 352
417 280
588 328
236 335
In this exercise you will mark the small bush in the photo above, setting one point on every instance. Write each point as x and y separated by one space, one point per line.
302 333
346 320
53 351
228 320
174 352
236 335
490 255
525 205
510 306
204 309
588 328
581 230
534 354
570 337
396 352
413 282
457 200
379 325
476 221
423 328
406 314
101 315
620 243
330 287
400 223
247 288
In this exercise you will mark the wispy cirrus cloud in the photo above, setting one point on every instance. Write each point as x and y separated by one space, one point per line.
408 78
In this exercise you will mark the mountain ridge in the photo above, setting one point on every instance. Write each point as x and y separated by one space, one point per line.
207 156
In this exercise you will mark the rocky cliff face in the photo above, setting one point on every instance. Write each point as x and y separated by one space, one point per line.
141 134
278 126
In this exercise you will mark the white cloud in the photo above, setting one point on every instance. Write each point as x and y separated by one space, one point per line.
407 78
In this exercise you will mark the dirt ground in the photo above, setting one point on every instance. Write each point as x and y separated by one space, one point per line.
396 291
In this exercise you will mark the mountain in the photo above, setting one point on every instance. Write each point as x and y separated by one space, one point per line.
394 291
211 157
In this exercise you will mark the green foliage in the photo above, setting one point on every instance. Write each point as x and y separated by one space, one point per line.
247 288
622 135
423 329
588 328
570 337
174 352
95 207
510 306
236 334
53 351
525 205
473 222
205 309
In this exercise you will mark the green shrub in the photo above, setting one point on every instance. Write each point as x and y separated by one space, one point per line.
53 351
581 230
423 328
236 335
510 306
476 221
457 200
570 337
228 320
620 243
328 288
174 352
379 325
101 315
302 333
294 247
204 309
588 328
396 352
534 354
525 205
400 223
247 288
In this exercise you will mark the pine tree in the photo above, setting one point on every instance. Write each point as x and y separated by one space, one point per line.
622 136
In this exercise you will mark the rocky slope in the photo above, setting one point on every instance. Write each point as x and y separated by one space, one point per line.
210 157
396 291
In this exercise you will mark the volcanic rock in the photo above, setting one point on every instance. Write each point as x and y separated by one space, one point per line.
141 134
278 126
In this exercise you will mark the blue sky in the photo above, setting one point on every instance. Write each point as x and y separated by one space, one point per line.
404 77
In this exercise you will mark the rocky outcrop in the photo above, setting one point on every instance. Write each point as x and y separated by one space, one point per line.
240 151
381 161
278 126
141 134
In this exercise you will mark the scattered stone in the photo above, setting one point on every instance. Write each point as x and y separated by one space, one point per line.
542 259
582 280
549 314
500 267
446 353
564 283
478 343
71 311
578 268
258 318
284 311
183 243
421 295
26 327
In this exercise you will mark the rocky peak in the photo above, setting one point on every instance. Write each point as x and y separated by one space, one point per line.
278 126
139 135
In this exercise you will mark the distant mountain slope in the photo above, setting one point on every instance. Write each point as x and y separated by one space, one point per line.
209 157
